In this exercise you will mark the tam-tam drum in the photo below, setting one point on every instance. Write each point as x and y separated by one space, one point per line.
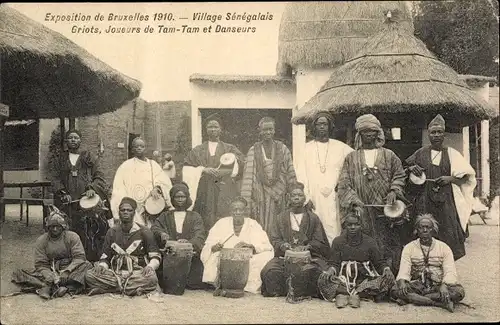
154 206
298 274
227 160
91 204
234 268
176 267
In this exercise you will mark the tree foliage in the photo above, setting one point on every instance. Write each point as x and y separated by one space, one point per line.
462 34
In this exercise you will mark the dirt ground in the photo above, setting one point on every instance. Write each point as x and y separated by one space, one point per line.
478 272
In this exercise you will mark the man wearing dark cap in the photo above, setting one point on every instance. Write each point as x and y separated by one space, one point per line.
213 185
449 198
129 257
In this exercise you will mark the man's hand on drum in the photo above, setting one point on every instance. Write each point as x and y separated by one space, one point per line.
211 171
416 170
156 192
89 193
217 247
184 241
285 246
391 198
163 238
242 244
65 198
148 271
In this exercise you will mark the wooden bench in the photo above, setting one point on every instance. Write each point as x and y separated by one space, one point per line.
29 201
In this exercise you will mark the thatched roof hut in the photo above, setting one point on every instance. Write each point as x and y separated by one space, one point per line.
395 74
317 34
45 75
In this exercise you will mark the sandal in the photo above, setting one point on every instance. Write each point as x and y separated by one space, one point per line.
354 301
341 301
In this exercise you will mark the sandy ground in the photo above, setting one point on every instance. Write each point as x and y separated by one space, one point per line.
478 272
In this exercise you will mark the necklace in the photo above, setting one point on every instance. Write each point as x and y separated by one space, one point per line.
322 168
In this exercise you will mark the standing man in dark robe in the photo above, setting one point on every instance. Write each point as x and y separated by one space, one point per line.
268 172
449 198
295 227
374 175
75 174
214 187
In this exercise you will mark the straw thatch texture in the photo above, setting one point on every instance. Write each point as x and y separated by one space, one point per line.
45 75
212 78
394 73
325 34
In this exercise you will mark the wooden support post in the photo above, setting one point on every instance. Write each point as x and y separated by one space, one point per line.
4 114
62 130
485 157
72 123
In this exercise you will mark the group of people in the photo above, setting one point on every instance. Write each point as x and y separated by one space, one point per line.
331 210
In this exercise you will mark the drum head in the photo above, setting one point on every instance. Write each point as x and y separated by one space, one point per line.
153 206
395 210
227 159
417 180
89 203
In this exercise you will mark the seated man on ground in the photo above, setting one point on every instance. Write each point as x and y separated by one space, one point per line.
184 227
296 228
237 231
60 263
427 275
358 268
129 258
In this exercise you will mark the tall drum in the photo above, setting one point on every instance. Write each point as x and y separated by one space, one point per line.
176 267
234 269
297 275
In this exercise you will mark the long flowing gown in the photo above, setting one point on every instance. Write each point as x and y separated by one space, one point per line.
441 201
136 178
75 180
213 195
194 231
251 233
320 187
360 184
265 180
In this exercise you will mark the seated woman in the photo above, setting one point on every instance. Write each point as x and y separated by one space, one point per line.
182 226
296 227
60 263
237 231
129 257
357 263
427 275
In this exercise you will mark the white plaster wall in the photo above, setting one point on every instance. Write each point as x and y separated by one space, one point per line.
240 95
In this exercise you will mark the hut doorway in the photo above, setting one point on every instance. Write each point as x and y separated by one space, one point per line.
240 126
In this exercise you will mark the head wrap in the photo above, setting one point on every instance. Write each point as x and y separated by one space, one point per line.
368 122
128 200
180 187
328 117
66 135
137 139
427 216
57 218
212 121
240 199
294 186
437 123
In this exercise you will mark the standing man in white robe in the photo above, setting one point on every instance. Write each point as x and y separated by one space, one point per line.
237 231
139 178
319 170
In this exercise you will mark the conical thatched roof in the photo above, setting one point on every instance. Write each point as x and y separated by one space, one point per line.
327 33
395 73
45 75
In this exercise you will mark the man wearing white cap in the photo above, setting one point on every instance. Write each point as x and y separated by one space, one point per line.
449 198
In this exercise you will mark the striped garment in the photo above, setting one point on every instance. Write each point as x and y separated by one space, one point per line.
265 181
441 265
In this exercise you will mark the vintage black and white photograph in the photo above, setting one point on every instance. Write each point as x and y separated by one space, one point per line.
249 162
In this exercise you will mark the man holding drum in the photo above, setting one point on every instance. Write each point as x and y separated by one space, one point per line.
141 179
373 176
75 174
446 186
237 231
296 229
213 184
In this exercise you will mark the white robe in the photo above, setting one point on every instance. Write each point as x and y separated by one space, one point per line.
464 194
251 233
134 179
320 187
